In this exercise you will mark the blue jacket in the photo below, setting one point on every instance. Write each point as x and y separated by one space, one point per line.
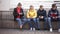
53 11
41 13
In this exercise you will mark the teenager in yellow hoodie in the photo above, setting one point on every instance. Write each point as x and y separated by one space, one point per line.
31 15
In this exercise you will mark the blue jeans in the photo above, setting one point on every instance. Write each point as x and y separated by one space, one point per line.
31 23
19 21
38 23
58 19
46 22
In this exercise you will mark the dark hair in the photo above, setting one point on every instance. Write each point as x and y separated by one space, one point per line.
41 5
53 5
31 5
19 4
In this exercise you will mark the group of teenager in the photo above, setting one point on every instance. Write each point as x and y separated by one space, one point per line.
36 16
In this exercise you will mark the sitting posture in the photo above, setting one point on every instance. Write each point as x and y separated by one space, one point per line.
18 13
31 15
53 14
41 14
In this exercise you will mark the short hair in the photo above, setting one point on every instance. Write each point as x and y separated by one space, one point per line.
53 5
41 5
31 5
19 4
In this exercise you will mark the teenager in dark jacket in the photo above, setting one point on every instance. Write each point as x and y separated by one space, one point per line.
41 14
18 13
53 14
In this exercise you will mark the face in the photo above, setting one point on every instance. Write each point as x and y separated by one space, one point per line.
41 7
31 7
19 6
54 8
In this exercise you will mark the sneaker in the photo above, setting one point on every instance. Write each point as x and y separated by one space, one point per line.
58 30
50 29
30 28
33 29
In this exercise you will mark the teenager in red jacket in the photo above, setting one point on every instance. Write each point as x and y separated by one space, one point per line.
18 13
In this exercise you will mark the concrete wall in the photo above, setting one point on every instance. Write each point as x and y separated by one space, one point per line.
6 5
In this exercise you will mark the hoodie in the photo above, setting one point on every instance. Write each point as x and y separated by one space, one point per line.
31 14
41 13
53 13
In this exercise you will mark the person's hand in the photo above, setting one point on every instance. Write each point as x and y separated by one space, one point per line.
20 13
55 17
41 17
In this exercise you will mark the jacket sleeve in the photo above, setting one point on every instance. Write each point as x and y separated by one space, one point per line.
57 13
35 14
28 14
45 14
22 12
15 13
38 13
49 13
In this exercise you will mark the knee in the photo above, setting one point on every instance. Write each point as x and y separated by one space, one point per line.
34 19
37 19
28 19
17 19
49 18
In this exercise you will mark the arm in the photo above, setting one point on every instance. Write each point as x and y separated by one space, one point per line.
57 14
22 13
38 13
35 14
49 13
45 14
28 14
14 12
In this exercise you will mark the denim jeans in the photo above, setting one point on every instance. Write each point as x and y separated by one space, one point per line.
32 24
58 20
38 23
47 22
19 21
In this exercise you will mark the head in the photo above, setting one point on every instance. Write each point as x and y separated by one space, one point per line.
19 5
41 7
54 6
31 7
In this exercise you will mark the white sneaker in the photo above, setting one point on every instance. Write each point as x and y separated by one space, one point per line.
50 29
58 30
30 28
33 29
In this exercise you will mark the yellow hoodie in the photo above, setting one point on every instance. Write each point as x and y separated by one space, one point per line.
31 14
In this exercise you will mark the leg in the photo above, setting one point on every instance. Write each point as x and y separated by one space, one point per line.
35 24
45 23
50 23
24 20
19 22
30 24
38 23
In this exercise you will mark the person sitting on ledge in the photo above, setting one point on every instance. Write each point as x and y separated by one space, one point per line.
18 13
53 14
31 15
41 14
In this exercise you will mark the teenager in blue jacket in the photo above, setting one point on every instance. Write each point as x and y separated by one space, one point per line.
53 14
